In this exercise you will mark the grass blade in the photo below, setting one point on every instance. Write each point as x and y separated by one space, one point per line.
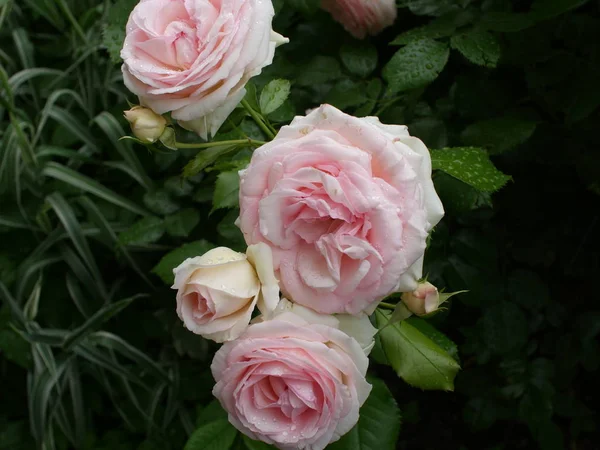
127 350
97 217
69 176
98 358
8 299
101 316
67 217
114 131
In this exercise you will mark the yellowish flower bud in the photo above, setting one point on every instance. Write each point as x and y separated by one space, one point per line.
146 125
423 300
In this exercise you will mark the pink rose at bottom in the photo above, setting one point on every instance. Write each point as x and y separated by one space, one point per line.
362 17
291 383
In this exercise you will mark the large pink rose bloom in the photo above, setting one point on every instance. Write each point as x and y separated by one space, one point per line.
362 17
292 383
346 205
193 57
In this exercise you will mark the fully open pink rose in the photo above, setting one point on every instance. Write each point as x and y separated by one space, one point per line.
193 57
362 17
292 383
345 204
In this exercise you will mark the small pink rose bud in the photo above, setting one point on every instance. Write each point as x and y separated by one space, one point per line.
146 125
423 300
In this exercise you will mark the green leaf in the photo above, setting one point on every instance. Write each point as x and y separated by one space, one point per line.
440 27
416 359
372 90
217 435
359 57
164 269
479 47
500 134
505 22
178 186
205 158
504 327
226 190
346 93
211 412
231 232
416 65
114 30
459 197
273 95
470 165
144 231
160 202
435 335
378 425
319 70
169 139
183 222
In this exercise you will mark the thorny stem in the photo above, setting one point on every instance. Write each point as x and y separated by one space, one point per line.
258 119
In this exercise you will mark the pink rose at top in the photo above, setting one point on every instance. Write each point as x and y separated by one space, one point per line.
346 205
193 57
291 382
362 17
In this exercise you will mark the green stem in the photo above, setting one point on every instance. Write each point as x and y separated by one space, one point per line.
258 119
387 305
219 143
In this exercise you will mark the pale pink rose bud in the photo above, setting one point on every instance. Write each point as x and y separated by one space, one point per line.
194 57
423 300
362 17
218 291
346 205
293 381
146 125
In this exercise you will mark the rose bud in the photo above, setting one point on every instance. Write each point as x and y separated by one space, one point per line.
146 125
423 300
217 292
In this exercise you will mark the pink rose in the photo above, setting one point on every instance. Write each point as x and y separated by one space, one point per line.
292 383
362 17
218 291
193 57
345 204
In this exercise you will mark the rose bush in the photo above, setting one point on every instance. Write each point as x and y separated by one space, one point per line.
291 382
193 57
346 204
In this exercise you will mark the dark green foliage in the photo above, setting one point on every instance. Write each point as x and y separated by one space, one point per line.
88 222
